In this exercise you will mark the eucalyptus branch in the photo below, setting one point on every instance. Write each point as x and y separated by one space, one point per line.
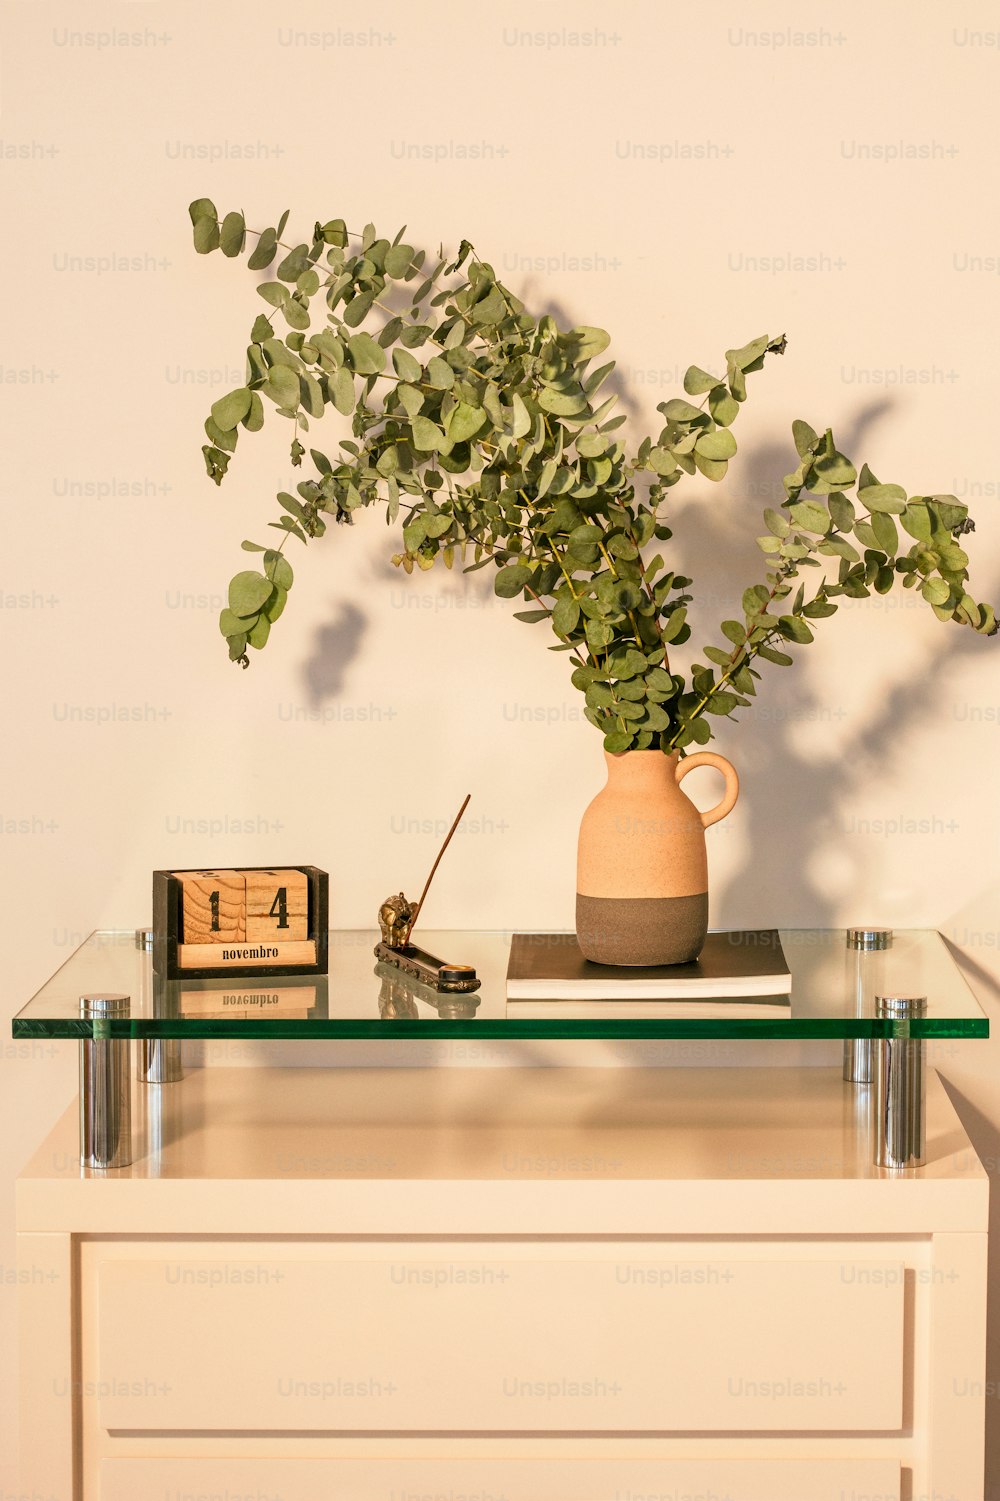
488 431
826 525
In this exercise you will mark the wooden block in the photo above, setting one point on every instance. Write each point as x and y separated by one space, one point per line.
213 906
277 905
244 956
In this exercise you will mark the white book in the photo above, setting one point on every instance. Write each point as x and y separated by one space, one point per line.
744 1010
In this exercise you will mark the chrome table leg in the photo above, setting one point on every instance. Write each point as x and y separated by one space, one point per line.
899 1128
158 1060
105 1087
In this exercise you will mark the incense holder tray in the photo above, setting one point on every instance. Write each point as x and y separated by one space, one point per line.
444 977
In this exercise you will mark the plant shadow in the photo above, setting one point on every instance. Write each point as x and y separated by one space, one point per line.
333 650
798 804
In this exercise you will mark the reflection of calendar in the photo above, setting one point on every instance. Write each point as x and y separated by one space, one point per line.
283 1002
240 921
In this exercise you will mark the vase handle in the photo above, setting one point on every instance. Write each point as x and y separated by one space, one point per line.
732 792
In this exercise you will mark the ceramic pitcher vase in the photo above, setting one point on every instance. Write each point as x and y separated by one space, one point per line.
642 868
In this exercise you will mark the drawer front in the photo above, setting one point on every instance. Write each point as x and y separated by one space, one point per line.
512 1338
490 1479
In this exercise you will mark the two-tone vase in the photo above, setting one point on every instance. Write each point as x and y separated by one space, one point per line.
642 866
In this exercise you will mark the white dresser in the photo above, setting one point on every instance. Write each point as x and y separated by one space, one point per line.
523 1284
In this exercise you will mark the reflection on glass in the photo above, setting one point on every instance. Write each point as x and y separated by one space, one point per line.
399 994
395 1000
864 975
289 998
158 1059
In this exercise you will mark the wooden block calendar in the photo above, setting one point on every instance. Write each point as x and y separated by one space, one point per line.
277 905
247 920
213 906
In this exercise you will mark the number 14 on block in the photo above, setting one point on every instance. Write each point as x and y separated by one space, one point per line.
227 906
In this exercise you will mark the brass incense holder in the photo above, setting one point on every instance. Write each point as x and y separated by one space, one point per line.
396 919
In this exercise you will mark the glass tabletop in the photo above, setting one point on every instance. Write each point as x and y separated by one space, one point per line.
832 995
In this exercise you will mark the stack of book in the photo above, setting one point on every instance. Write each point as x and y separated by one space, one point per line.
737 974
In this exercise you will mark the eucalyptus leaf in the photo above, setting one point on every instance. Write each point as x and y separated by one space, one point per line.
253 420
276 604
310 394
264 251
677 410
794 629
295 262
427 435
723 407
341 388
259 632
836 470
406 366
810 516
229 410
565 616
916 520
231 624
248 591
206 235
588 342
935 590
718 445
358 308
464 421
295 314
274 292
697 381
561 403
282 386
713 469
804 437
749 354
366 357
410 399
279 571
510 581
842 512
885 531
233 234
886 498
662 461
397 260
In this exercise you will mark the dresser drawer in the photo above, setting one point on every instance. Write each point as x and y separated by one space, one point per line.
492 1479
502 1337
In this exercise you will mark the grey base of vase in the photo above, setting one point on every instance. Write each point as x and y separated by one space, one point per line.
641 930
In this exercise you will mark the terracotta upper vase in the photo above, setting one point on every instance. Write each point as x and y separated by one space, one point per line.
642 869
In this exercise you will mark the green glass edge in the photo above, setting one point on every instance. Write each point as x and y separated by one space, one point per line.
501 1028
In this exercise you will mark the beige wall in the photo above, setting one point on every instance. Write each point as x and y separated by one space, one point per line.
686 176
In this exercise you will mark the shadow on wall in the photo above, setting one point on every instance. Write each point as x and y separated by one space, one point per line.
795 803
334 647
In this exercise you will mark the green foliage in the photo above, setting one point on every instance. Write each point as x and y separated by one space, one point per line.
481 427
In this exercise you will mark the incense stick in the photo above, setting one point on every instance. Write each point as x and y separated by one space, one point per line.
437 862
